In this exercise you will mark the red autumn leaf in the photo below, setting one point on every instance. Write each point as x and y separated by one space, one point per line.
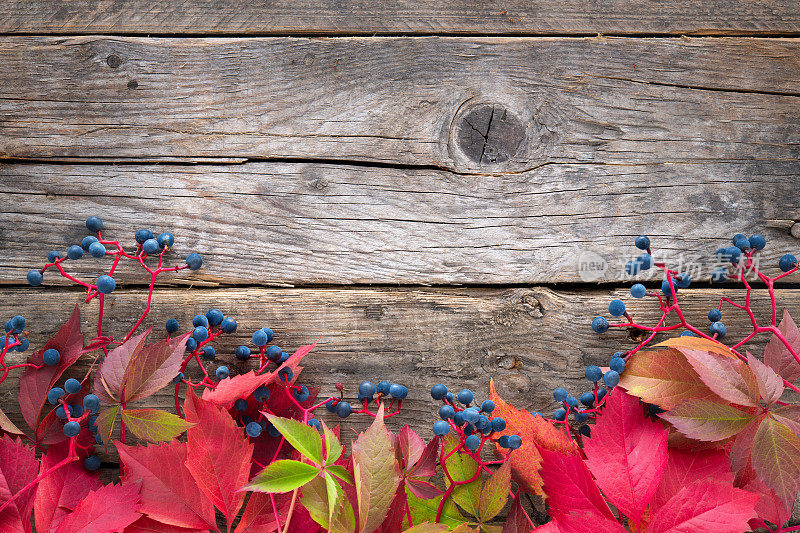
169 492
410 447
153 368
685 467
218 454
776 459
34 384
569 485
705 506
708 420
18 467
583 521
109 508
110 377
425 466
148 525
778 356
517 520
627 454
769 506
721 371
60 491
741 452
535 432
789 416
770 384
259 515
229 390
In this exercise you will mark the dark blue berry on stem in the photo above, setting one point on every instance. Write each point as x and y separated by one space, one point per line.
254 429
787 262
142 235
274 353
34 278
638 290
459 419
383 387
97 250
593 373
178 378
343 409
503 441
242 353
616 308
645 261
259 338
666 289
214 317
106 284
758 242
301 394
222 372
285 374
166 239
209 353
74 252
441 428
94 223
398 391
172 325
228 325
53 255
316 424
261 394
72 386
487 406
88 241
514 441
151 247
191 344
572 402
19 322
366 390
601 393
91 463
200 333
683 281
642 242
51 357
611 378
438 391
498 424
194 261
715 315
465 396
270 334
600 324
200 320
446 411
240 405
472 443
585 430
71 429
719 329
91 403
587 399
560 414
482 423
617 365
560 394
54 394
581 417
330 405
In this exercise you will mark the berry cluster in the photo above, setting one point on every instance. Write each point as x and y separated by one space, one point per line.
76 408
14 340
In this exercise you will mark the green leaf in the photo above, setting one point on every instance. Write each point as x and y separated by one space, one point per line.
315 500
334 492
283 475
340 472
425 510
462 467
495 493
427 527
376 474
707 420
332 446
154 425
303 437
776 459
106 421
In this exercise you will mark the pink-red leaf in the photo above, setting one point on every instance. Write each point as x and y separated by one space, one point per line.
18 467
770 384
35 383
778 356
517 520
627 454
583 521
110 377
410 446
685 467
153 367
707 420
425 466
218 454
169 492
109 508
776 459
789 416
423 490
705 506
569 485
769 506
721 371
148 525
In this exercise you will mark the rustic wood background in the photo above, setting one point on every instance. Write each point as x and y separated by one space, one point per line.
414 183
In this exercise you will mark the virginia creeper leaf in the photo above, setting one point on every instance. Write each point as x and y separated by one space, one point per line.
535 431
147 525
18 467
303 437
517 520
283 475
778 356
154 425
169 492
259 515
627 454
741 452
789 416
218 454
426 465
687 466
110 377
583 521
494 494
333 448
776 459
770 384
705 506
569 485
769 506
410 445
7 426
315 500
341 472
153 367
109 508
106 420
723 373
376 473
462 467
425 510
427 527
708 420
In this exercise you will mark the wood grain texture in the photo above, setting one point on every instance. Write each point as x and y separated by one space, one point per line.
300 224
401 100
330 17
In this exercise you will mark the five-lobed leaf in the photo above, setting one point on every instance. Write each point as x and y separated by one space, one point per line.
708 420
333 448
152 368
721 371
688 466
283 475
154 425
109 508
109 380
106 420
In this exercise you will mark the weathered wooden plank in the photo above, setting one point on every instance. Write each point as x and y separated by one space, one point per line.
288 223
529 340
473 105
331 17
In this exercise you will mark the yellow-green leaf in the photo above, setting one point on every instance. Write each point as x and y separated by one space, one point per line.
494 494
425 510
462 467
340 472
106 420
708 420
315 500
776 459
283 475
154 425
303 437
333 448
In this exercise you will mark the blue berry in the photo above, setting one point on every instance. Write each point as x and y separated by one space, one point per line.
191 344
75 410
441 428
330 405
560 394
214 317
166 239
482 423
228 325
498 424
285 374
284 357
259 338
314 423
270 334
194 261
438 391
715 315
449 397
19 322
209 353
465 396
366 390
72 386
200 320
398 391
273 431
642 242
74 252
645 261
572 401
34 278
683 281
560 414
23 345
469 429
200 333
242 353
94 223
71 429
51 357
514 441
151 247
301 394
254 429
787 262
666 289
97 250
178 378
587 399
758 242
172 325
343 409
733 254
593 373
61 413
261 394
91 403
88 241
719 275
274 353
106 284
240 405
581 417
446 411
719 329
54 394
638 290
503 441
8 326
600 324
472 443
91 463
601 393
617 365
487 406
459 419
611 378
222 372
142 235
616 308
585 430
4 341
53 255
741 242
471 414
687 333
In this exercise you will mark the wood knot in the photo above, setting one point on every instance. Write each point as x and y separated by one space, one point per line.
113 61
532 305
133 84
489 134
